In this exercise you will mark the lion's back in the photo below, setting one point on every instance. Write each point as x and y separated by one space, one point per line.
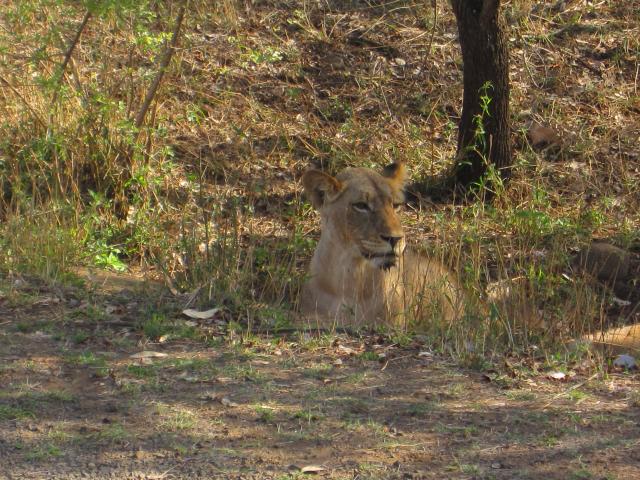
432 291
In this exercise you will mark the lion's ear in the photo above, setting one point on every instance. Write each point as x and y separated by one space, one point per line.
320 187
396 173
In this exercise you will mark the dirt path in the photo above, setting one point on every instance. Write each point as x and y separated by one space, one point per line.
74 403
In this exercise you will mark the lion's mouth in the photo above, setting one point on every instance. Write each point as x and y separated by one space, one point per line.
382 260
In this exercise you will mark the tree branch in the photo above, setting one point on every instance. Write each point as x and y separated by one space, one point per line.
164 63
69 52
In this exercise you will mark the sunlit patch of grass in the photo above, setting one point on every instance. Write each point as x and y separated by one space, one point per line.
113 433
8 412
456 390
581 474
421 409
349 407
97 363
58 436
87 359
173 418
80 337
142 371
246 373
61 396
308 416
43 451
467 432
369 356
265 414
520 395
578 395
318 371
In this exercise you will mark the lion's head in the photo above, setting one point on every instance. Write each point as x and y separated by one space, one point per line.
358 210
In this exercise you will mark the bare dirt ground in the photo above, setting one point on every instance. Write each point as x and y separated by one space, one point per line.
76 401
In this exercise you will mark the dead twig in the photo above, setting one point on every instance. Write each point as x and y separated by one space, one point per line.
574 387
35 114
434 4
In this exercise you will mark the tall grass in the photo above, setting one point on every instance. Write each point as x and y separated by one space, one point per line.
204 191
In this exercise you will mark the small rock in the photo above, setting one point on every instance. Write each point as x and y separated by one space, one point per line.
606 262
625 361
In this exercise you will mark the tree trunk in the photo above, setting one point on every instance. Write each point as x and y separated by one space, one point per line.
484 132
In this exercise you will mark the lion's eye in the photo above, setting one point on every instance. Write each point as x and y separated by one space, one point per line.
361 207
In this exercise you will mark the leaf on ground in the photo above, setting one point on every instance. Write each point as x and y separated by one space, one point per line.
148 354
542 136
210 396
43 302
619 302
346 350
557 375
228 403
312 469
188 378
114 309
201 315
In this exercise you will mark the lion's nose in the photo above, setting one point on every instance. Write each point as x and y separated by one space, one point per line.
393 241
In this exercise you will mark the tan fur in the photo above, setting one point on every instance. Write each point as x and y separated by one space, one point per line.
358 277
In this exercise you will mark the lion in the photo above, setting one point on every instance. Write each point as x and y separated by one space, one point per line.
362 274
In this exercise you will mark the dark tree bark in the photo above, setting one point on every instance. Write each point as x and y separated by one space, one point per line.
484 131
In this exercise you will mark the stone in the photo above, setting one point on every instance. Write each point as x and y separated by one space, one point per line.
604 261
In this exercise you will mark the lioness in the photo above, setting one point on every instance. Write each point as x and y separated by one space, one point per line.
361 273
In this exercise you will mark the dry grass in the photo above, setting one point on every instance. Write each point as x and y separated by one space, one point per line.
206 194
